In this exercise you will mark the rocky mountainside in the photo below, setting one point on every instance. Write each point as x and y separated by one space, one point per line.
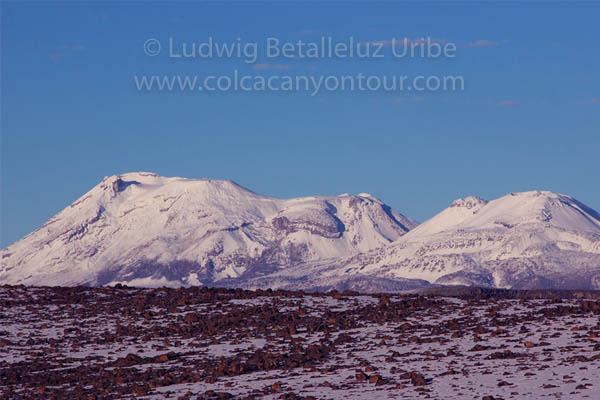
146 230
533 239
141 229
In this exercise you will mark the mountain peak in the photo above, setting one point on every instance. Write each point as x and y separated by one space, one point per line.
537 193
540 207
521 240
143 229
370 197
140 225
154 178
469 202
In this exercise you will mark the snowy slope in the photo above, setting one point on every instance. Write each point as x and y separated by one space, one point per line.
149 230
145 230
530 239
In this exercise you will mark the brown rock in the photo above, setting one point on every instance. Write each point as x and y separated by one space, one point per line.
416 378
361 376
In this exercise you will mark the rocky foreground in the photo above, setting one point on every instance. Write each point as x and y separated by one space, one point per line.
105 343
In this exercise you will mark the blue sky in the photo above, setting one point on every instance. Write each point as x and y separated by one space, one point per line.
529 116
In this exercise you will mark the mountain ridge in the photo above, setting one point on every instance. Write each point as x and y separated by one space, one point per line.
142 218
147 230
549 235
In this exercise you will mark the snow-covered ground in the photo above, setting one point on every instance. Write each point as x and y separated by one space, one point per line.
217 343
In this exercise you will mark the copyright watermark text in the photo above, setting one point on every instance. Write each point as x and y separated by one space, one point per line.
324 48
261 54
312 84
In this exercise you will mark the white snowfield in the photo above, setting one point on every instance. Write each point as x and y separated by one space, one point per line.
521 240
141 229
195 231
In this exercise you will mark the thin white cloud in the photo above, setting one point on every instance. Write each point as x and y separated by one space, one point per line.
405 100
402 42
486 43
270 67
65 50
73 47
399 100
509 103
312 32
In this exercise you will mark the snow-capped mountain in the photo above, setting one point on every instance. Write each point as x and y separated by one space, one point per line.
142 229
147 230
534 239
